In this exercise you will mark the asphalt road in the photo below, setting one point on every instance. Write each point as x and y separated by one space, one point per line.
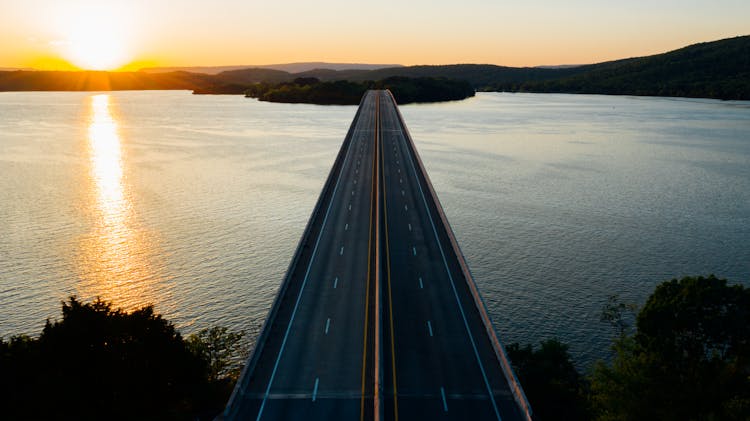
439 362
317 351
377 317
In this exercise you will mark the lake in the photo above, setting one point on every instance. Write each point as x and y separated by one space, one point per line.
196 203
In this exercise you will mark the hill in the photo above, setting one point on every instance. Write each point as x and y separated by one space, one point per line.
285 67
478 75
22 80
719 69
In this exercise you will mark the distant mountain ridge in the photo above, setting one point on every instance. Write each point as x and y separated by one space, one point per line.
718 69
479 75
285 67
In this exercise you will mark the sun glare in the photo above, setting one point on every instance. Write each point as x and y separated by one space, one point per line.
97 41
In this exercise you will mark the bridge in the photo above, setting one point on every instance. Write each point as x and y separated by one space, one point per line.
378 316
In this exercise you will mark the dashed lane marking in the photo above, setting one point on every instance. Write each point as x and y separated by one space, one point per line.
315 389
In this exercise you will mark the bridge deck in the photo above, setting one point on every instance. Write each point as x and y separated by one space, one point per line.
378 317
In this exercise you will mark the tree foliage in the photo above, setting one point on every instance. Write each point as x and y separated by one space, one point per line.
219 348
99 362
689 358
618 314
551 382
406 90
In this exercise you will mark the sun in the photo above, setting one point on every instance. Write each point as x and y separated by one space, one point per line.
96 40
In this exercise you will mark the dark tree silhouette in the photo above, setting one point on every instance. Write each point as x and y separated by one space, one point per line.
551 382
98 362
689 358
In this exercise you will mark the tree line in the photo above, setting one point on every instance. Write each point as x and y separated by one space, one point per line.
406 90
99 362
687 357
684 355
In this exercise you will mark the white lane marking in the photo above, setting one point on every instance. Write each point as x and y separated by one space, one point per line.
355 181
429 327
352 192
315 389
350 206
299 296
346 227
398 170
341 252
445 402
336 282
406 207
400 180
409 227
421 285
402 192
414 250
455 292
328 324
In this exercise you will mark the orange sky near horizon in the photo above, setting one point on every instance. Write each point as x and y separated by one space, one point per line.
130 34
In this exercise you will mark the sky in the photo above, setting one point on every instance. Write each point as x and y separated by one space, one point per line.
129 34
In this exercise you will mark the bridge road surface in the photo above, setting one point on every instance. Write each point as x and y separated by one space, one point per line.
378 317
438 359
315 357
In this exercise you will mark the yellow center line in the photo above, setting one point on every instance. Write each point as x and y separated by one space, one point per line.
376 403
390 300
367 294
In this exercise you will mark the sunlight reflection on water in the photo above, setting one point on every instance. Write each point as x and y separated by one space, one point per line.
113 259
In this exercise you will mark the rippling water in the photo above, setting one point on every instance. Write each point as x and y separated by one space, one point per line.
195 203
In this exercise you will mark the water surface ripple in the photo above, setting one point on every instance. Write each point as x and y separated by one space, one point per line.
196 203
